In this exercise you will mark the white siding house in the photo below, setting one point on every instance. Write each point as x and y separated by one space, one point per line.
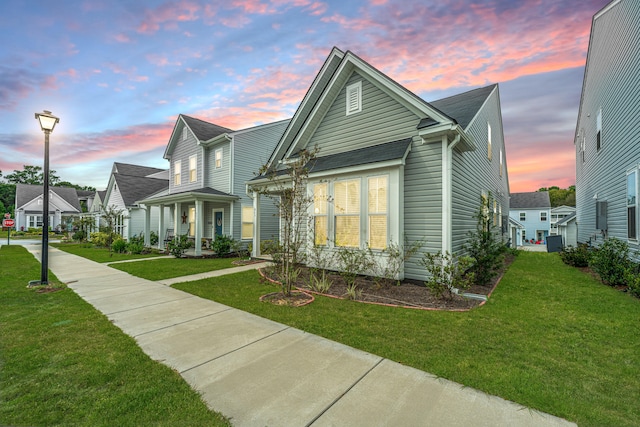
607 137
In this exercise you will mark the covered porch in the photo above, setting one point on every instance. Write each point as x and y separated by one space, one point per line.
199 214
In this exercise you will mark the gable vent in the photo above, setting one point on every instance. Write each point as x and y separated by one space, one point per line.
354 98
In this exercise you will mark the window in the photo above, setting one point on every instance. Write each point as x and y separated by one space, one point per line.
192 221
378 212
354 98
218 161
489 154
495 213
632 202
184 133
320 214
176 172
599 129
582 144
501 167
543 215
523 216
193 171
247 222
347 213
500 216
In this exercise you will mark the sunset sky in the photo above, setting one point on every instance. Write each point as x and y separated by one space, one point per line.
118 72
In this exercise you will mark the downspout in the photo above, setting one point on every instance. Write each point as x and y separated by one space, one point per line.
447 168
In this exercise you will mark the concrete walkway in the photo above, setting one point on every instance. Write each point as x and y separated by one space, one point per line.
262 373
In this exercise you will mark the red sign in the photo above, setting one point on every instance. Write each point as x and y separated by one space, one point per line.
8 222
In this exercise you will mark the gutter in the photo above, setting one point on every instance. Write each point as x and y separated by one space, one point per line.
447 168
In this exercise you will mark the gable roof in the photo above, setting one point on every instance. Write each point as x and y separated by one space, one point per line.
374 154
134 188
530 200
566 220
134 170
463 107
25 193
202 130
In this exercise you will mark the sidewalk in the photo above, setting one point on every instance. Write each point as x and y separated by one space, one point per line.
261 373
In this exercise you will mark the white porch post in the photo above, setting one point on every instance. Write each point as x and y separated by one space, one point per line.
176 219
256 225
199 224
161 228
147 225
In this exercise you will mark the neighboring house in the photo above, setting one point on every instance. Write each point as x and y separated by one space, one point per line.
532 210
607 138
86 198
557 214
568 229
516 230
95 210
128 184
392 166
63 207
209 168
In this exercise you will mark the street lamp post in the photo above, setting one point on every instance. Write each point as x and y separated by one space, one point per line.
47 122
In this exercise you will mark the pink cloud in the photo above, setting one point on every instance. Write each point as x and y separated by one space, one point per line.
167 15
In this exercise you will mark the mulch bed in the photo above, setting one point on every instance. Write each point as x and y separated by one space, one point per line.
409 294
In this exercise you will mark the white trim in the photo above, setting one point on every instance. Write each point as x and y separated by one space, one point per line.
353 96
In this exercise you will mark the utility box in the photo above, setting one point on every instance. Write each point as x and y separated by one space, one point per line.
554 244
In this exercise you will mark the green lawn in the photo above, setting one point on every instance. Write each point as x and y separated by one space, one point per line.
89 251
168 268
550 337
64 363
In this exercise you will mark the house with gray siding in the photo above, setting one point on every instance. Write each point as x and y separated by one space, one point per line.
127 184
533 211
607 136
209 166
391 166
64 206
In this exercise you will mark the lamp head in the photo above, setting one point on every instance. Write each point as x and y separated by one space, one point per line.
47 121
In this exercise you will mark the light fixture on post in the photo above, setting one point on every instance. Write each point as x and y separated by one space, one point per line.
47 122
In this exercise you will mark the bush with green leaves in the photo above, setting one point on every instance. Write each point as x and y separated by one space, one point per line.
153 238
485 246
448 274
222 245
632 277
354 261
99 238
135 248
611 261
576 256
396 255
119 246
178 246
79 236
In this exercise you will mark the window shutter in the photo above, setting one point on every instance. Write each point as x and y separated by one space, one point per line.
354 98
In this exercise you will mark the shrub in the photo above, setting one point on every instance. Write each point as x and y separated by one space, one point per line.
135 248
179 245
396 257
221 245
269 246
79 236
119 246
632 277
611 261
153 238
320 284
354 261
576 256
448 274
99 238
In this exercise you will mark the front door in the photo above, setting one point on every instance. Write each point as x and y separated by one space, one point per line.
217 223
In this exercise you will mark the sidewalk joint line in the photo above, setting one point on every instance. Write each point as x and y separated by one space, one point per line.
183 322
344 393
234 350
139 307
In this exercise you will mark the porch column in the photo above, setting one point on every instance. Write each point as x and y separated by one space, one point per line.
147 225
256 225
199 224
161 228
177 218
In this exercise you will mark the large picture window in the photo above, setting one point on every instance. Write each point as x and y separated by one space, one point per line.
632 203
247 222
378 212
320 214
347 213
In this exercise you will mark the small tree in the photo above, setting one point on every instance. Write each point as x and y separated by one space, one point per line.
112 217
484 245
288 190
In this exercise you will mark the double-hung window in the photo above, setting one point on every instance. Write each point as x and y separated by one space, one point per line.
177 166
193 171
218 159
320 223
599 130
347 213
523 216
489 150
543 216
378 212
247 222
632 204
